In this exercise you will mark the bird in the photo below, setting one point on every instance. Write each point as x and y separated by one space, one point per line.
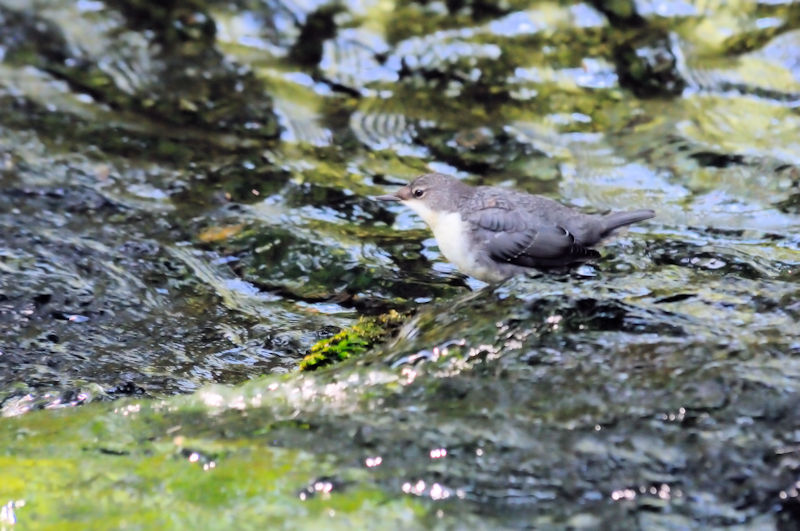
493 233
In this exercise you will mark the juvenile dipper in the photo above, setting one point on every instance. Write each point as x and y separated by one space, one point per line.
492 233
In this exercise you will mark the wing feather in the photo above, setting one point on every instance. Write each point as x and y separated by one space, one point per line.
514 238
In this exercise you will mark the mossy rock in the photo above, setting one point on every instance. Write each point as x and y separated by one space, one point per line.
353 340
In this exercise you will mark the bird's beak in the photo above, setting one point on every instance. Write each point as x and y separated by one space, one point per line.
401 195
387 197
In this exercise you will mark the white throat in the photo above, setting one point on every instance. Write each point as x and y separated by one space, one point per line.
428 215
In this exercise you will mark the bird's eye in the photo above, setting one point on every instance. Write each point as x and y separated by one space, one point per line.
419 192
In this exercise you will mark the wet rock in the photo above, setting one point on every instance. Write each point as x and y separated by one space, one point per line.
648 65
25 37
479 9
620 12
173 22
188 82
316 29
479 150
456 64
791 204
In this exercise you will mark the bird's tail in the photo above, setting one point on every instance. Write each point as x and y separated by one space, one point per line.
616 220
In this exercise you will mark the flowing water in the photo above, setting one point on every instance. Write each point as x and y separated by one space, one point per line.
185 210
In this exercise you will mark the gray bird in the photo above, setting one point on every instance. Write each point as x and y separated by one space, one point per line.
493 233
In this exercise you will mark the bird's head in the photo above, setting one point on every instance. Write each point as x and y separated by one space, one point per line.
430 195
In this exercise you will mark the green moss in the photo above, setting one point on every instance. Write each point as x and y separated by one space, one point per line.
352 341
115 467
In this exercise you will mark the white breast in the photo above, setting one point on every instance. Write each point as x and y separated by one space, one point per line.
452 237
451 234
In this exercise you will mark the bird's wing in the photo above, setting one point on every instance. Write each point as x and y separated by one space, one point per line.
517 238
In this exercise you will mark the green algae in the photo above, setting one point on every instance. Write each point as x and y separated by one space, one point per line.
128 467
353 340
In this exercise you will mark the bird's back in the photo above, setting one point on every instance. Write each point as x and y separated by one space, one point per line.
513 210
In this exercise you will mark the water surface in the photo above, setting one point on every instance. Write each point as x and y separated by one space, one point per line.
185 210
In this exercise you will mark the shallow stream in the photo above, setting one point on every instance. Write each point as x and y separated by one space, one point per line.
185 210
